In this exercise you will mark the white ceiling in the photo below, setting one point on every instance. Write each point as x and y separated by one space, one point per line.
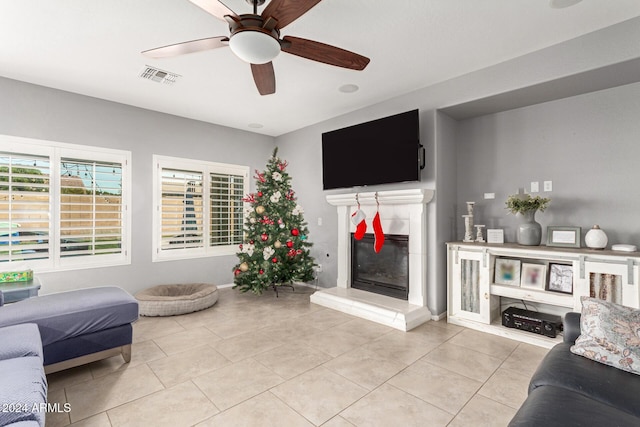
92 47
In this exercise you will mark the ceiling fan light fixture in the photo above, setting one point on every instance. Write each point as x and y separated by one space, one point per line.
254 47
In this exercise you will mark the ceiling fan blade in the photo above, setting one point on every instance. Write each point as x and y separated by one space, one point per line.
187 47
287 11
321 52
214 7
264 77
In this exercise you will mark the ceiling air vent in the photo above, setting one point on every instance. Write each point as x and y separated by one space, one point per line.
159 76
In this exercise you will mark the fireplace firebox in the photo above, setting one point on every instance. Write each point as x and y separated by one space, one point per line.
386 272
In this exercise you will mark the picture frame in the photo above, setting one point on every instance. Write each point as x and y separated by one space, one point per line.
495 235
564 237
560 278
533 276
507 272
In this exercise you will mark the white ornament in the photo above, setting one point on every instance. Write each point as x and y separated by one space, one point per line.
267 252
297 210
248 249
277 176
275 197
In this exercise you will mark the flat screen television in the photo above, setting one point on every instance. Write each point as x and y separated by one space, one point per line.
381 151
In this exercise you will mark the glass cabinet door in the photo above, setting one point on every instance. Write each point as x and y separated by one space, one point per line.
617 283
469 285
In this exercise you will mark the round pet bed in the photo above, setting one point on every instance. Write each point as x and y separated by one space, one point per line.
171 300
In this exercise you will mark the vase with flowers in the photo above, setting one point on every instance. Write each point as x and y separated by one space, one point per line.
529 231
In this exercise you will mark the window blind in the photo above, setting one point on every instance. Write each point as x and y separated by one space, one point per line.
226 219
182 209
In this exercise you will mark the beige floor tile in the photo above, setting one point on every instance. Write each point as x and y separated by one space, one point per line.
291 329
364 328
236 383
246 345
69 377
337 421
60 416
262 410
470 363
334 342
201 318
181 367
438 386
147 328
184 340
507 387
319 394
389 406
142 352
292 359
100 420
183 404
436 332
492 345
325 318
483 412
92 397
401 346
365 367
525 359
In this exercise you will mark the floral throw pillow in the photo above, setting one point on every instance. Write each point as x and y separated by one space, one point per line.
609 334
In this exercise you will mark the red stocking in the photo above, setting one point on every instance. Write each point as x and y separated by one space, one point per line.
378 233
358 218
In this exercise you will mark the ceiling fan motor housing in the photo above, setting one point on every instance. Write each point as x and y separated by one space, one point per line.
254 39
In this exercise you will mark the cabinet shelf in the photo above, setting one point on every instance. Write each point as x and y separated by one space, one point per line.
533 295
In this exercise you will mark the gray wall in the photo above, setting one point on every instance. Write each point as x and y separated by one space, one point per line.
587 145
440 134
37 112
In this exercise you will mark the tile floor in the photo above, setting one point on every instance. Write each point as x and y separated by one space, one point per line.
266 361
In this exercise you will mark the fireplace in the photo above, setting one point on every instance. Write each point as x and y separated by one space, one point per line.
402 213
384 273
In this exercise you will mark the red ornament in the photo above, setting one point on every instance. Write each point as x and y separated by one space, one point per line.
259 193
295 232
251 241
261 271
291 253
274 260
240 246
237 271
289 244
264 237
299 251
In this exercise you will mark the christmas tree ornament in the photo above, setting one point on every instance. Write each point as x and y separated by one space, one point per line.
244 266
295 232
237 271
289 244
260 210
358 218
274 260
261 271
303 237
259 193
264 237
277 244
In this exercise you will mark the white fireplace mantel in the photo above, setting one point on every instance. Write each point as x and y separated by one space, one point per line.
401 212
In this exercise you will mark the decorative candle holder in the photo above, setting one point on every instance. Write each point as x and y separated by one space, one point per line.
479 237
468 228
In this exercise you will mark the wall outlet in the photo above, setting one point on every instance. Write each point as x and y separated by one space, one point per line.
319 268
548 186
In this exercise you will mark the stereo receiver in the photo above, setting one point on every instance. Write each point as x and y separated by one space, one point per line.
532 321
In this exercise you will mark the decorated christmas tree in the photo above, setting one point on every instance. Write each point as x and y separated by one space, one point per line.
276 246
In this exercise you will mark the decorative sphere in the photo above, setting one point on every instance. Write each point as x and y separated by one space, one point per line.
295 232
264 237
274 260
237 271
260 210
261 271
596 238
259 193
289 244
244 266
277 244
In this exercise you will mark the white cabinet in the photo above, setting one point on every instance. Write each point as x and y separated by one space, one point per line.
477 291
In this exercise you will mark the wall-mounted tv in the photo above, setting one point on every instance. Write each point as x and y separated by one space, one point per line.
381 151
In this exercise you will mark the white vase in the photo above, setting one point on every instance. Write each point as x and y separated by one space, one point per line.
596 238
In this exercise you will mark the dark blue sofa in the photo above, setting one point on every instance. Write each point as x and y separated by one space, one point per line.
570 390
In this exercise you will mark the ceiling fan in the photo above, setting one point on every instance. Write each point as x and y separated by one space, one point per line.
256 39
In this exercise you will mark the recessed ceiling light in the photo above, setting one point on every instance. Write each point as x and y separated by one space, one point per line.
255 125
348 88
560 4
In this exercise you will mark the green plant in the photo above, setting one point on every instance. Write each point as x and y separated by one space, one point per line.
520 203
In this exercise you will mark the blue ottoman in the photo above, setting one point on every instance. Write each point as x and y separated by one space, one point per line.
80 326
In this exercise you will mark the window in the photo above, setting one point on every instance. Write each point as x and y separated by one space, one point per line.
198 208
63 206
